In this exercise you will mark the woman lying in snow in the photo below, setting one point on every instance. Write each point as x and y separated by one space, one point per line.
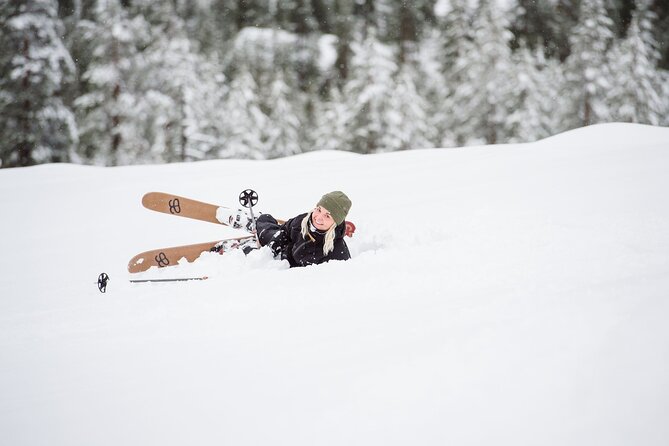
311 238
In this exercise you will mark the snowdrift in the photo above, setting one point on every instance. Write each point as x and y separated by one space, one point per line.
508 295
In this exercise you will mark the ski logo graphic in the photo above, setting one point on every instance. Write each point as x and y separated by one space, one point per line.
175 206
162 260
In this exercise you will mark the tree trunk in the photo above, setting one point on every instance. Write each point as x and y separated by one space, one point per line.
25 147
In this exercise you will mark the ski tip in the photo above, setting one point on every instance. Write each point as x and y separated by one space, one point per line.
146 198
137 264
152 199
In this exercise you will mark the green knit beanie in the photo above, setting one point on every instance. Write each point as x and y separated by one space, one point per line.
338 204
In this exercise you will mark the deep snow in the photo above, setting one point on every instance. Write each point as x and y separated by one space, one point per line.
507 295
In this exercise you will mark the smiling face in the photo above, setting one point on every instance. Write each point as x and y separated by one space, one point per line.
322 219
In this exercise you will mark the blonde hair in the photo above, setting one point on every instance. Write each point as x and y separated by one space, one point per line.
328 246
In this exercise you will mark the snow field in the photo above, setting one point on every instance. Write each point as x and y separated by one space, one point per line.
497 295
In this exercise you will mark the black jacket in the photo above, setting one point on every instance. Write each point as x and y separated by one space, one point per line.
287 242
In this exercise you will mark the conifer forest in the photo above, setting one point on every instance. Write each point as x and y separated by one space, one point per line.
118 82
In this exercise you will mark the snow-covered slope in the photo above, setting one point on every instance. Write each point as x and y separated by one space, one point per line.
507 295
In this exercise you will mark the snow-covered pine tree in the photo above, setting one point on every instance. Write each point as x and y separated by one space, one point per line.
260 51
455 27
387 113
536 23
405 24
588 76
664 91
212 24
35 69
325 113
484 94
636 94
296 16
182 99
243 119
407 123
110 123
331 117
409 116
455 36
282 132
343 29
272 75
367 93
537 81
431 85
563 20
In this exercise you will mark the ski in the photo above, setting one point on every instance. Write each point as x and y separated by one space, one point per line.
163 257
177 205
197 210
103 280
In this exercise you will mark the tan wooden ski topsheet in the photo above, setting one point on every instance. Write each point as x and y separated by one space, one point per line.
180 206
163 257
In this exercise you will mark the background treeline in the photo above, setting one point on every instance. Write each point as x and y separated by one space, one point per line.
114 82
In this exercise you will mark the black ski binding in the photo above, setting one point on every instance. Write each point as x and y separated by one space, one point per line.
103 278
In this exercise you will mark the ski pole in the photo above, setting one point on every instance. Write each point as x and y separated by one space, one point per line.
249 198
180 279
103 278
